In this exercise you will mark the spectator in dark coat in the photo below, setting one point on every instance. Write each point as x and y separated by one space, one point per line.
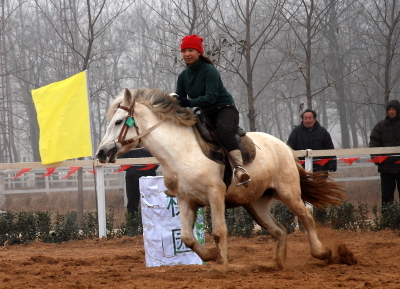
132 176
386 133
311 135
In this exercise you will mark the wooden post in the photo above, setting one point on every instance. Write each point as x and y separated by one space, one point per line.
2 189
309 168
80 198
101 201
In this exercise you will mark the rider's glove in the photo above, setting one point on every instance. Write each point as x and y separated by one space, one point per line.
184 102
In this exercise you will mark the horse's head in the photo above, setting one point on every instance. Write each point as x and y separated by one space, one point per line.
121 131
141 110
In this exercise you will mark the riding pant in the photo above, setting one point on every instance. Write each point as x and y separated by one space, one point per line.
226 122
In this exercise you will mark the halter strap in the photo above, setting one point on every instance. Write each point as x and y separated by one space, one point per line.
121 138
139 135
125 128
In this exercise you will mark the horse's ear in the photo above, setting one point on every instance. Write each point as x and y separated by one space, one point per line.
128 98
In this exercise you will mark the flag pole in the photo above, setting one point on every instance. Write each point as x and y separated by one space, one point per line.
90 113
98 175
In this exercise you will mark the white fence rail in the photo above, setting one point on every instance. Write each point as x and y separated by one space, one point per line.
105 177
33 182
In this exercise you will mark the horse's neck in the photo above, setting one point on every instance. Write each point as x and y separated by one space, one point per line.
169 142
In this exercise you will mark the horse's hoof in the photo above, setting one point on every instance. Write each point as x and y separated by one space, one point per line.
326 255
274 265
218 269
265 268
211 254
329 261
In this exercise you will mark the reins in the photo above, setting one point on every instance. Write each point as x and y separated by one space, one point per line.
129 122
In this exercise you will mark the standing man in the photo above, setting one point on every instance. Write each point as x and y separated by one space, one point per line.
311 135
132 176
386 133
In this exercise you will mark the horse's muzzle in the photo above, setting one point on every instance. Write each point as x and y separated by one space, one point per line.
107 156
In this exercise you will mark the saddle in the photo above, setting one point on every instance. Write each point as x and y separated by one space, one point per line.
211 148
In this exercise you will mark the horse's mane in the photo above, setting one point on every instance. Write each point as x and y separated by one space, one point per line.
160 102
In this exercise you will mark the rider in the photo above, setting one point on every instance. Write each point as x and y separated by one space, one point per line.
202 83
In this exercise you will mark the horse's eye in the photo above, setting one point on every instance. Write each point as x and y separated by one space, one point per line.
118 122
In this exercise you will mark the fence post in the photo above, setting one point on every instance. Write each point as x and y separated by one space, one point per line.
101 201
2 189
47 184
122 180
308 165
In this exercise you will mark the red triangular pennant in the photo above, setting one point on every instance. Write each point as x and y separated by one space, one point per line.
21 172
302 162
123 168
91 171
378 160
322 162
398 162
147 167
71 171
49 172
348 161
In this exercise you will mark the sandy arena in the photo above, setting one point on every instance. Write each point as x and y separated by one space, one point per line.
372 260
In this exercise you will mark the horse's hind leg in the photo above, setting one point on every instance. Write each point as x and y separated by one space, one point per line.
188 217
318 250
260 211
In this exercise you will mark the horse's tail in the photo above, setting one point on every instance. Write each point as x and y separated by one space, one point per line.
318 189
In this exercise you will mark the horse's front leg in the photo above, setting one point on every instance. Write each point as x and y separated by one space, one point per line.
187 213
219 229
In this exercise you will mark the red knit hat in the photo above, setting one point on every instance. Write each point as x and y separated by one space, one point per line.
192 41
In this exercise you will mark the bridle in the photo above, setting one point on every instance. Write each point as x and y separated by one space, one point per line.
129 122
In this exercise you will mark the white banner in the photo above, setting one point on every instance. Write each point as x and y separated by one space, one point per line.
162 227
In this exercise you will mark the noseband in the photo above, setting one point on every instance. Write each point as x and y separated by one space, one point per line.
129 122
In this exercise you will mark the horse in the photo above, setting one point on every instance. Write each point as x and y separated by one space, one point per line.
154 119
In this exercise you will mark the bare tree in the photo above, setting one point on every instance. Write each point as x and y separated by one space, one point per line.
162 29
381 35
337 69
307 20
341 57
67 38
247 30
8 145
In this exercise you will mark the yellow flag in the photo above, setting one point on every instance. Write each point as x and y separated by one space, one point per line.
63 115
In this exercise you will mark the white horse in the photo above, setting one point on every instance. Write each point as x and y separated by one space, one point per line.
167 131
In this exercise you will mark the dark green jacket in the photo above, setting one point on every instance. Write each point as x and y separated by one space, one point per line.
202 83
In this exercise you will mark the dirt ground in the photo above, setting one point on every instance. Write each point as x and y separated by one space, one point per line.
373 261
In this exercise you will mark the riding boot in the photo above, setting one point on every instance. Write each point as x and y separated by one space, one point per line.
239 172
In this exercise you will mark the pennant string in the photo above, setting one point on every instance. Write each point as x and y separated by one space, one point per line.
49 172
22 171
322 162
378 159
71 171
349 161
147 167
123 168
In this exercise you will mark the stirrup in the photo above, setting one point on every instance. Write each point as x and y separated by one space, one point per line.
234 177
